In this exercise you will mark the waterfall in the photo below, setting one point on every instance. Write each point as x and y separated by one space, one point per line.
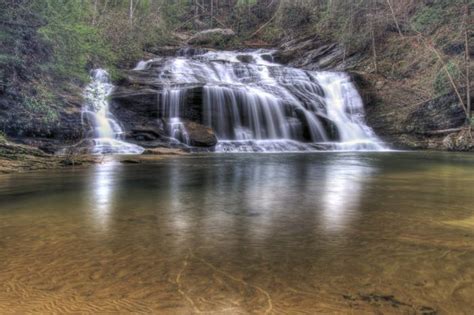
254 104
107 133
172 100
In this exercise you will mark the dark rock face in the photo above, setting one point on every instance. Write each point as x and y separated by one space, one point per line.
311 53
212 37
444 112
23 125
415 126
138 104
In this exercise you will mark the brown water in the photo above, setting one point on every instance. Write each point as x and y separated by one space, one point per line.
345 233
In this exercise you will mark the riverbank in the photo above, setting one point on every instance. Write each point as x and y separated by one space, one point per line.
18 158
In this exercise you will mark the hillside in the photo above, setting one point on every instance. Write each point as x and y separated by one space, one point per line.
409 58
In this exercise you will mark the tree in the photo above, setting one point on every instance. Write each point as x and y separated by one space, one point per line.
467 15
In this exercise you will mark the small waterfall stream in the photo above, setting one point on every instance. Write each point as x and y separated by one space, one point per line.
107 132
256 105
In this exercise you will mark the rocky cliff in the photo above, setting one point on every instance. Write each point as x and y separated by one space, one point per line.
400 114
397 113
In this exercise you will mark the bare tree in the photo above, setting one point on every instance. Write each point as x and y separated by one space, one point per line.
467 59
394 18
373 14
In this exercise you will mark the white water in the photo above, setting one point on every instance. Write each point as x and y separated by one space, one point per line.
254 104
107 133
172 100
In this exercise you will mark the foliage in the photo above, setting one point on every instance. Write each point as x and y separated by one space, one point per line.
428 18
76 44
8 59
442 84
296 16
242 3
174 12
42 106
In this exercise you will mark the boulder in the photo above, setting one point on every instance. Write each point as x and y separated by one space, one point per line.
212 37
200 135
462 141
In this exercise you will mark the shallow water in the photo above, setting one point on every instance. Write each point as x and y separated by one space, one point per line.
235 234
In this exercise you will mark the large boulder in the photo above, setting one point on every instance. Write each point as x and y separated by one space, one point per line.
212 37
200 135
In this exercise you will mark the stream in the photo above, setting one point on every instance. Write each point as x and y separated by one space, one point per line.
326 232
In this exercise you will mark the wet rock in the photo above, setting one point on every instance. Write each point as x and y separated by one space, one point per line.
191 51
165 51
164 151
200 135
267 57
245 58
212 37
130 161
142 99
18 158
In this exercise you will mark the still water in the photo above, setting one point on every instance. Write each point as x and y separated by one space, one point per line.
344 233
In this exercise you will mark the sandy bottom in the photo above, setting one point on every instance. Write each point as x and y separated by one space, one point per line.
296 234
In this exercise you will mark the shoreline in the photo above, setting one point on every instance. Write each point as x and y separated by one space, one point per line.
18 158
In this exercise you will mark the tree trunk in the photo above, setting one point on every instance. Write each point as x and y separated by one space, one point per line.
468 61
131 12
94 17
212 13
372 30
395 18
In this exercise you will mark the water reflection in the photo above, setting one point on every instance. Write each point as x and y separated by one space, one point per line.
177 199
342 191
103 186
255 200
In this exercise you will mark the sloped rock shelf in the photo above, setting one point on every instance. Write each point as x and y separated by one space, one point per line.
242 101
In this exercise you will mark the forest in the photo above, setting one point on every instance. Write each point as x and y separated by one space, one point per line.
60 41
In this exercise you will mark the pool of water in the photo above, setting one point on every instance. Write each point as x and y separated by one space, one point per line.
244 233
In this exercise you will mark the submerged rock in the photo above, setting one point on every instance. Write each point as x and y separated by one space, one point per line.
164 151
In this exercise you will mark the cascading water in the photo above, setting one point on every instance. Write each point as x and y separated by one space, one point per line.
107 133
254 104
172 100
